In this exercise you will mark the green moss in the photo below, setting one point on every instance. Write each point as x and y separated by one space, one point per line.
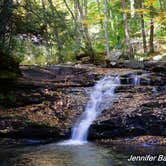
164 58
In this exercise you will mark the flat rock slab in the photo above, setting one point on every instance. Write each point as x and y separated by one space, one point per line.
139 140
49 99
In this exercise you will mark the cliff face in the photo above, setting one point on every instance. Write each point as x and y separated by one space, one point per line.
46 101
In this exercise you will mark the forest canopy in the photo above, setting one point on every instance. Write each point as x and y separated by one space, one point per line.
58 31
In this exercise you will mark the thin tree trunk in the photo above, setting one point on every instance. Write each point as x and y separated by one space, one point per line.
89 43
151 44
127 42
162 9
111 19
106 27
161 5
5 16
132 8
86 37
143 28
98 7
58 41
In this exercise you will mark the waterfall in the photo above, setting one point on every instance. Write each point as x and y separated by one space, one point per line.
136 80
101 97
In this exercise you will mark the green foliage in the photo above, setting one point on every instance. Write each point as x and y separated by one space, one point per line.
46 33
9 64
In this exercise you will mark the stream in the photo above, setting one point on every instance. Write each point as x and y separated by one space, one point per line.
89 154
101 97
78 150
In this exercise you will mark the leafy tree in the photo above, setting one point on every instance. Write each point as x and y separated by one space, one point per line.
47 31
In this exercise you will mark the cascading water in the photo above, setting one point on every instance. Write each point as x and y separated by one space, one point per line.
101 97
136 80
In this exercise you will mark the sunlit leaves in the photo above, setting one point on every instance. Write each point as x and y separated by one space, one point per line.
37 17
149 2
136 10
20 12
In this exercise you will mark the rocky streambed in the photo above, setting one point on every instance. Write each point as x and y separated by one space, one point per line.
46 101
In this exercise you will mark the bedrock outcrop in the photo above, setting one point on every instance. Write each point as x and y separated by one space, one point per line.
46 101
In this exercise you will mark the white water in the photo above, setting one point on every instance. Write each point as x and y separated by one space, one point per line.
101 97
136 80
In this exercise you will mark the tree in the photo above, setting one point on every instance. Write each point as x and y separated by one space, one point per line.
132 8
127 43
151 39
5 24
143 27
85 34
64 29
106 27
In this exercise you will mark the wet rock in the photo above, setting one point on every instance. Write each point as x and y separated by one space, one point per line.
140 116
144 140
134 64
48 101
153 66
159 66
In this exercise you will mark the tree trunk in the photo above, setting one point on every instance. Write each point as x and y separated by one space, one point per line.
89 43
132 8
86 37
98 7
143 28
111 20
151 44
58 41
162 9
162 5
127 43
106 27
5 16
